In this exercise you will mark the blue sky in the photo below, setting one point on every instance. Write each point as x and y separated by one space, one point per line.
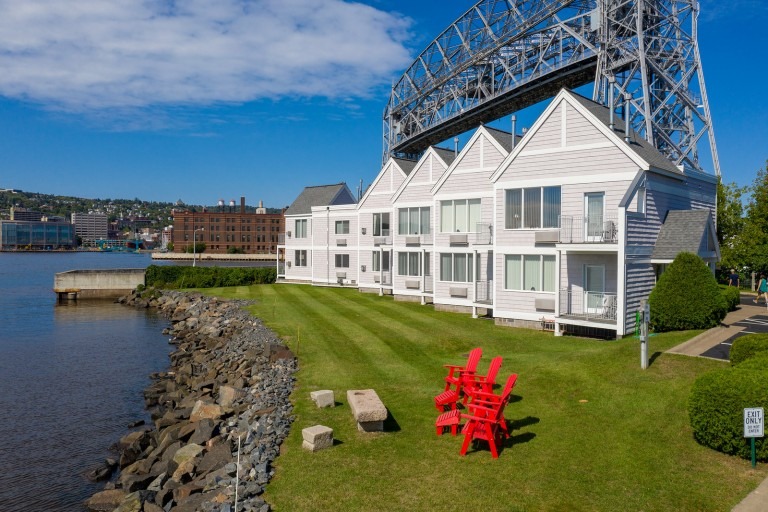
201 100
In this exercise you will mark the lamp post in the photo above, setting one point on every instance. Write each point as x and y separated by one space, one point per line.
194 245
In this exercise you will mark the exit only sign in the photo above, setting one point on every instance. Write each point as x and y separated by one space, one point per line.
753 422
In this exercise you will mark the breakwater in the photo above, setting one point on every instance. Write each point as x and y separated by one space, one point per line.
226 393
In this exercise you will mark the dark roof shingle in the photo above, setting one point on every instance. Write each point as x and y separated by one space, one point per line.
320 195
682 231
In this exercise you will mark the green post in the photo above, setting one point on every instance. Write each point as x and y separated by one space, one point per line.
752 442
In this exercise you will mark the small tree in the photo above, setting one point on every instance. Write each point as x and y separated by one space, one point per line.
198 247
686 297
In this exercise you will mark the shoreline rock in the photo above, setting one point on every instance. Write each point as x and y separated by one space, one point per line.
229 378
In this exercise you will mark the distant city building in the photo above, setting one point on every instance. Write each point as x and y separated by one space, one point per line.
228 228
90 226
18 213
36 235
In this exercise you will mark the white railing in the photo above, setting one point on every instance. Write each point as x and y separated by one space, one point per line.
593 229
483 234
588 305
384 278
484 291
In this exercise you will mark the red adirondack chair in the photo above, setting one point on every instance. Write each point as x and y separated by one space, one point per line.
483 398
486 420
469 383
455 372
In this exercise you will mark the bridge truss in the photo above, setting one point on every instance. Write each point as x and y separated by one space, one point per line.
504 55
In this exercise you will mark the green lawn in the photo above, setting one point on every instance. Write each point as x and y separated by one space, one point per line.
591 431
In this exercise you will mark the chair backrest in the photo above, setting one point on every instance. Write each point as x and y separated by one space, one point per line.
493 370
474 358
507 391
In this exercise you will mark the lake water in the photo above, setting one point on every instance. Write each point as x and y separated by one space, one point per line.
71 378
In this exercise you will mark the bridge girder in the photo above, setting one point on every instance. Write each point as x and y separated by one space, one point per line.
502 56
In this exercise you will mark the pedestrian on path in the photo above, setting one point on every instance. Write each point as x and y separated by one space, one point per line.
762 290
733 279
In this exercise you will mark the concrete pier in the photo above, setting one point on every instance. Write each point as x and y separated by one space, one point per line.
97 284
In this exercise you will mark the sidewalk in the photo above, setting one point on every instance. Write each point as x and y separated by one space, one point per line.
757 500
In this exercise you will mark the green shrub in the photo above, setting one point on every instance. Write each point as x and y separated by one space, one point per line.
745 347
758 361
686 297
716 408
731 295
208 277
198 247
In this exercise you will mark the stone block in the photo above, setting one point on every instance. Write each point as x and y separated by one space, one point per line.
370 426
323 398
366 405
317 438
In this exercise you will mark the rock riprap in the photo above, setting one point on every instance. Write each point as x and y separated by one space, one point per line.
230 378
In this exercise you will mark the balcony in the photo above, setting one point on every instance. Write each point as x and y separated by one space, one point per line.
484 293
597 229
383 278
382 240
589 306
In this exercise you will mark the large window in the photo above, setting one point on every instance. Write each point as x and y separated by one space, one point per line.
342 260
459 216
301 228
530 272
381 224
300 259
531 208
457 268
342 227
413 221
378 259
409 264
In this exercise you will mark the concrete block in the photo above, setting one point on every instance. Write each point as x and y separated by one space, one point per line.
317 438
366 405
370 426
323 398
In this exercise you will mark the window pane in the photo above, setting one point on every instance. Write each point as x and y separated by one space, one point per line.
413 221
375 262
427 270
445 267
474 215
425 221
513 209
460 267
532 201
551 207
549 274
470 268
402 221
460 219
402 263
512 271
386 261
531 272
385 224
376 224
413 264
446 216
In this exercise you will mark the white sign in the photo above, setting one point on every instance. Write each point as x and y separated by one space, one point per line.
753 422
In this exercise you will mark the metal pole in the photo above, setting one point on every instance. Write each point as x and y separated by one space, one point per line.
644 319
752 442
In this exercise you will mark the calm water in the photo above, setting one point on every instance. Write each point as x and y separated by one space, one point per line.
71 379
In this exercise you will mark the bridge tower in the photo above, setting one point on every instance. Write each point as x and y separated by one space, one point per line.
500 56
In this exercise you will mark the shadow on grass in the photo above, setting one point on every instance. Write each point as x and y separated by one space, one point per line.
391 424
653 358
337 442
518 424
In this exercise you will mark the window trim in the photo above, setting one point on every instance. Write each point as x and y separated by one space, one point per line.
298 258
344 224
542 214
341 257
540 289
421 211
469 267
468 204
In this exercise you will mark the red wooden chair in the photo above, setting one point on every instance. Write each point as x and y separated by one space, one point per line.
486 420
469 383
455 378
484 398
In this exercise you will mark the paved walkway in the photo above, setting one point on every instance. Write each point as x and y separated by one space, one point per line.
757 500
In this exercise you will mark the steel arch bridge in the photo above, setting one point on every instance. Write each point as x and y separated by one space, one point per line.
504 55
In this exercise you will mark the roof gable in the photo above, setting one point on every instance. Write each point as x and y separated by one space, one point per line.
436 156
401 166
320 195
482 133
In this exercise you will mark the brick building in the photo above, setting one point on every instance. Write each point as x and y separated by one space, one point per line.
227 227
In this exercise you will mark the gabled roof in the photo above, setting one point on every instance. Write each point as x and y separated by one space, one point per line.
640 146
320 195
406 165
445 154
683 231
503 138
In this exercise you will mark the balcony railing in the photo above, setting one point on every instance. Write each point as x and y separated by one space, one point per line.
583 305
484 291
383 278
483 234
418 239
382 240
600 229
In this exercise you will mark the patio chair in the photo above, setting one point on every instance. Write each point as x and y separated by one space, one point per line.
457 377
470 383
456 372
486 420
452 417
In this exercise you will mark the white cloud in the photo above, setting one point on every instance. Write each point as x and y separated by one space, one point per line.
86 55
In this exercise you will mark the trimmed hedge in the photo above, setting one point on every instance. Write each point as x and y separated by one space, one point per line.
746 347
208 277
716 408
732 296
686 297
757 362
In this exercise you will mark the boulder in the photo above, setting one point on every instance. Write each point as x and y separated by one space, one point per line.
204 410
105 501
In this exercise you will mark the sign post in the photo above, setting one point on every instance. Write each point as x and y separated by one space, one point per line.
753 426
645 318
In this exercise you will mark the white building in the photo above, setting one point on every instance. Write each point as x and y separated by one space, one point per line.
567 227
